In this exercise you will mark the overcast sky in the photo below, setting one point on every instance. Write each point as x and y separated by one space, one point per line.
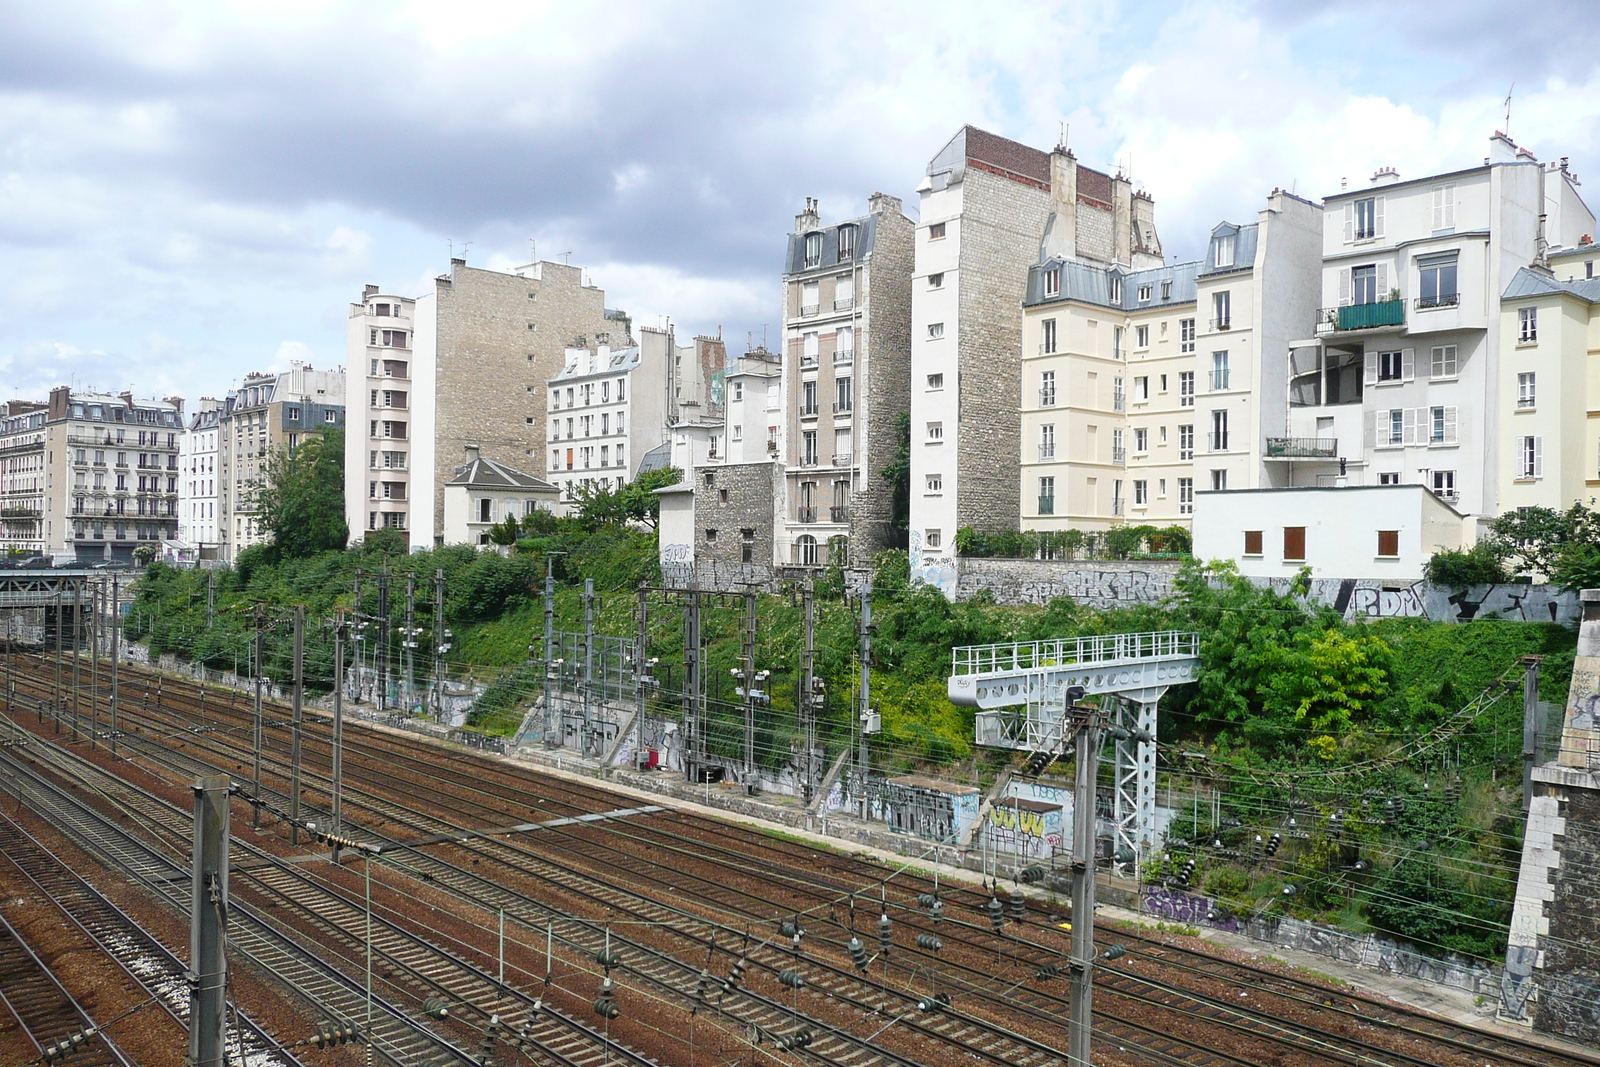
191 191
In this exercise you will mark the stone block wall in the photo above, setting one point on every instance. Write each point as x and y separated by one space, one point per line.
751 489
884 382
1566 977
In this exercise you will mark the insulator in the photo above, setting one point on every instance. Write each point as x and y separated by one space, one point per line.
798 1039
703 986
1017 906
329 1036
436 1008
736 975
1047 972
606 1006
885 933
791 979
858 953
794 942
788 928
1031 875
1115 952
607 958
1273 844
997 914
926 900
929 942
934 1003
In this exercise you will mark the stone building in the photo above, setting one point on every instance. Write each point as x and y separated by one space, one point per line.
990 209
845 381
467 363
735 511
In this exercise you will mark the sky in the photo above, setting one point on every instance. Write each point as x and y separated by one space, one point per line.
193 191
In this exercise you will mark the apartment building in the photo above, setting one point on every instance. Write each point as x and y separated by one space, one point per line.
199 484
845 380
22 476
754 420
991 208
468 363
269 412
1404 381
607 411
110 473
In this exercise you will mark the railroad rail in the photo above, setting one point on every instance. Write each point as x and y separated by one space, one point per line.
47 1013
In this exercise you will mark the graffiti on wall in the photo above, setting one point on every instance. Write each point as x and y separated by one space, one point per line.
1175 905
933 568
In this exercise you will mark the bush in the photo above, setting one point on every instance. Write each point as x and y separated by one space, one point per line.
1478 565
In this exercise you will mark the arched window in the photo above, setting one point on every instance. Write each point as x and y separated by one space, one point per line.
805 551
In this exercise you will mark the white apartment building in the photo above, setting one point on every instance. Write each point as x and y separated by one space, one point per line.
607 409
754 405
1407 367
22 476
991 208
199 495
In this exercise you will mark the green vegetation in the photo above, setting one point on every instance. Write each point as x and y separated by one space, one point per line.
301 504
1119 542
1562 547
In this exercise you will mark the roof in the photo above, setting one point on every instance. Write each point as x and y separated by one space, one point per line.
1012 159
616 361
481 473
1244 247
916 781
866 231
1528 282
1333 490
658 458
1092 284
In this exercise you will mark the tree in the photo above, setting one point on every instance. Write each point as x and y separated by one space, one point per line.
1478 565
301 504
505 532
898 475
634 502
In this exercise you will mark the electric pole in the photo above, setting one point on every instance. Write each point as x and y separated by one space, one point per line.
866 724
588 670
382 651
77 640
1530 726
410 642
260 660
294 754
1087 758
339 630
116 634
440 644
810 698
360 635
211 600
208 910
751 691
642 680
693 682
97 598
549 647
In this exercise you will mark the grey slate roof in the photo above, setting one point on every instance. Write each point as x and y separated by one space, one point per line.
1244 247
619 361
1528 282
657 459
795 258
484 473
1092 285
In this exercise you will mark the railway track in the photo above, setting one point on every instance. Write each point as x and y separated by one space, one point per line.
793 865
46 1013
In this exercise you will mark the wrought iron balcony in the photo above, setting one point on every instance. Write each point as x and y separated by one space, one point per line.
1217 441
1302 447
1119 457
807 514
844 305
839 513
1442 300
1047 453
842 459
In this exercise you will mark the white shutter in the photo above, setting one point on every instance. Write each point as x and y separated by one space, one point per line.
1369 364
1377 216
1438 208
1344 286
1349 221
1408 364
1370 420
1450 425
1538 457
1408 424
1449 207
1383 281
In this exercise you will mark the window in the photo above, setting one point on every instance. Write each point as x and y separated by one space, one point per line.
1221 310
1442 425
1186 442
808 448
622 390
808 398
1364 285
1527 325
813 251
1367 218
1144 294
1443 363
1119 399
844 345
1389 543
935 330
1391 367
1052 282
1047 442
935 431
1219 480
1444 207
936 280
1525 395
1141 439
1219 430
738 432
1116 288
747 545
1047 343
1166 289
1396 417
1530 457
1444 483
809 298
1141 334
1222 250
1219 371
847 242
935 231
605 392
1047 389
711 535
1047 496
1294 542
808 349
845 396
935 483
485 510
1185 496
1252 542
1185 335
1389 478
1437 281
1141 493
932 538
935 381
1141 387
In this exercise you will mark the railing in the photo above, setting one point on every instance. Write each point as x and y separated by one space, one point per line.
1219 380
807 514
1019 657
843 407
1443 300
1047 453
844 305
1119 352
808 360
808 461
808 411
1047 348
1363 316
1047 505
1222 324
843 459
1525 402
1116 506
839 513
847 355
808 310
1047 398
1217 441
1119 457
1119 402
1306 447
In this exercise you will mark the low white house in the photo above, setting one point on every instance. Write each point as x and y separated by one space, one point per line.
484 492
675 531
1384 532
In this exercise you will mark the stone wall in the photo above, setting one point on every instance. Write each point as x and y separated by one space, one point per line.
1555 935
883 381
1123 583
751 489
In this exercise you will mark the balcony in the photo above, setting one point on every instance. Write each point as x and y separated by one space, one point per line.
1119 402
1302 448
1047 505
1374 316
1218 325
808 411
1217 441
1219 381
1443 300
808 310
843 407
842 459
844 305
808 360
805 514
1119 457
1047 348
1047 453
1047 398
839 513
1116 506
848 355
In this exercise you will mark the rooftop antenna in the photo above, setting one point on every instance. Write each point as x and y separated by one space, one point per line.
566 257
465 247
1508 109
533 250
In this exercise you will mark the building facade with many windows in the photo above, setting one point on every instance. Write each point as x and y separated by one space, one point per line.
607 409
199 482
22 476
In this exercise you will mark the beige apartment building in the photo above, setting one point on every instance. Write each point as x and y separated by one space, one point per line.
22 476
466 364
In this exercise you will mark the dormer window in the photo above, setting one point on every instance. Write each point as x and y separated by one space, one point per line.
1144 294
1052 282
847 242
1222 250
813 250
1116 288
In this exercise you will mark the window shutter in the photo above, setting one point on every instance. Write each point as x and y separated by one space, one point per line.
1408 423
1438 209
1377 216
1538 457
1450 425
1408 364
1383 281
1369 364
1449 207
1344 286
1370 420
1349 222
